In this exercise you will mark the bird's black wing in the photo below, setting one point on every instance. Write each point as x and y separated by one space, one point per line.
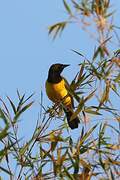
67 86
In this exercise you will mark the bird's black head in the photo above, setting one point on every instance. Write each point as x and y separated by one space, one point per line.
55 71
57 68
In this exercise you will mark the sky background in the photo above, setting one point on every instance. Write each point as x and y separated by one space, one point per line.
26 50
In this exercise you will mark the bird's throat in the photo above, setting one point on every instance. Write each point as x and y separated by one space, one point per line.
54 78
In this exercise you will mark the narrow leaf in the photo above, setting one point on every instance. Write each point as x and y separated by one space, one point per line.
22 110
12 104
57 28
5 170
67 7
80 54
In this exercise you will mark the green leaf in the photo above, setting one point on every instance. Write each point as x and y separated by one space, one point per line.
110 14
28 98
112 175
8 114
12 104
5 170
46 153
21 111
18 94
79 108
57 28
53 145
71 159
89 96
3 116
76 166
114 88
87 134
67 7
3 133
105 96
76 5
4 152
20 102
25 148
91 111
81 72
117 79
68 174
80 54
97 52
116 53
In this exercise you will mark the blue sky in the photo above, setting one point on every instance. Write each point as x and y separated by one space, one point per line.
26 50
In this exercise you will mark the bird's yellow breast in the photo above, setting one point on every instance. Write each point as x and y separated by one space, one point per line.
57 92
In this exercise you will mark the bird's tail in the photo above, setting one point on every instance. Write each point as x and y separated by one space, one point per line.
74 122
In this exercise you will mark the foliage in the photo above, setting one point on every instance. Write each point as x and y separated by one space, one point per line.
55 154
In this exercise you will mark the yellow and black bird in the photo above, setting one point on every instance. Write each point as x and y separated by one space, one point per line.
57 92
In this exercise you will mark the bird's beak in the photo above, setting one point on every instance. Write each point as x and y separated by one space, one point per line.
65 65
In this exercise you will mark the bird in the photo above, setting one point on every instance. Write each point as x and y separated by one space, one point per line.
57 92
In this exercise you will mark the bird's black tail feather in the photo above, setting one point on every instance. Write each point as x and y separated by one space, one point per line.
72 123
